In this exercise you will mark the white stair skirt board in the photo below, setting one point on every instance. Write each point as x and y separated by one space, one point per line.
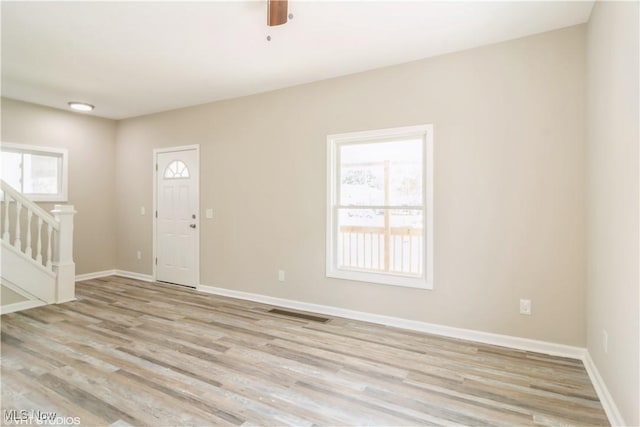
27 274
19 306
17 289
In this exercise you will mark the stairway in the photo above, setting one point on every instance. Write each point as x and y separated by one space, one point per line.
37 265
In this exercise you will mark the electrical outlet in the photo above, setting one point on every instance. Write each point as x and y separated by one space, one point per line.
281 275
525 306
605 341
139 255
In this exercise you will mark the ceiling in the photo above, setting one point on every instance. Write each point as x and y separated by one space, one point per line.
136 58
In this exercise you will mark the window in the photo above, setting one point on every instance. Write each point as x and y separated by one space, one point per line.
380 206
38 172
176 170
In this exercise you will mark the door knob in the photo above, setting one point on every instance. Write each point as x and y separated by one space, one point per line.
192 225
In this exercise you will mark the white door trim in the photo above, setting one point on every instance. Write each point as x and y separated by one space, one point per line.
157 151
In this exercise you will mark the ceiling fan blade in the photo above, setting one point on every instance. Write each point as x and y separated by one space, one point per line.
276 12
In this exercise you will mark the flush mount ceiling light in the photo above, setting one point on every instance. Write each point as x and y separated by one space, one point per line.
80 106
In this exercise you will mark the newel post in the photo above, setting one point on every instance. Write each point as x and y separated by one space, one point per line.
63 264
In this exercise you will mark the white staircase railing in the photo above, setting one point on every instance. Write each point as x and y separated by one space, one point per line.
37 247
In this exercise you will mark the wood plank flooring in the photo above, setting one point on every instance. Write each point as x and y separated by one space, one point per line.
135 353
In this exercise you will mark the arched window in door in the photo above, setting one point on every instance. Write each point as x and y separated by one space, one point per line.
176 170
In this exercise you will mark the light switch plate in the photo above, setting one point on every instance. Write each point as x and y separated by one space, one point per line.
209 213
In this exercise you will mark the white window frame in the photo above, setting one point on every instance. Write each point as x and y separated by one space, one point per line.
63 173
333 141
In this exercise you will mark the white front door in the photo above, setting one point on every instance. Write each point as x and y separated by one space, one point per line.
177 217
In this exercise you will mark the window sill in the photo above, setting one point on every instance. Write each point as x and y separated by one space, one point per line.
381 279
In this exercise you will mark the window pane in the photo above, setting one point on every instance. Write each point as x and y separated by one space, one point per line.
11 168
41 174
362 182
176 169
406 242
381 240
381 173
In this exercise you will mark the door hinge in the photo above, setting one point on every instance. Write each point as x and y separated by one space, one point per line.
156 214
156 167
156 260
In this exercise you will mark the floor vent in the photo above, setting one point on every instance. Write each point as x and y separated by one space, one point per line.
299 315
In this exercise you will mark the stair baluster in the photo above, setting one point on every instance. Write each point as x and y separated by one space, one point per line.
49 231
28 249
17 243
39 242
7 201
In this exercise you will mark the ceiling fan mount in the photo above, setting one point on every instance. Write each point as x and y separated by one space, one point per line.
277 12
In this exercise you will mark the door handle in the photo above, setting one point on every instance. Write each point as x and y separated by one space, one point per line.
192 225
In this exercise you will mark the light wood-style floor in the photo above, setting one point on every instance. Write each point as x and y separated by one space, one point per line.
129 352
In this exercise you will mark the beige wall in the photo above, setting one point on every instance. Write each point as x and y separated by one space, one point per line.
91 145
613 175
509 185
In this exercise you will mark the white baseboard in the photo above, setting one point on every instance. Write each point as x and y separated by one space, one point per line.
431 328
94 275
115 272
19 306
133 275
609 405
